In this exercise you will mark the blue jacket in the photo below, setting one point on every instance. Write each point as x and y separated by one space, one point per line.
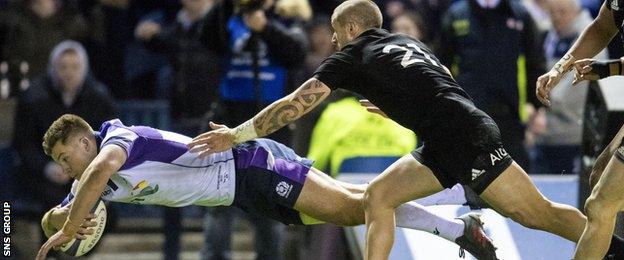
280 49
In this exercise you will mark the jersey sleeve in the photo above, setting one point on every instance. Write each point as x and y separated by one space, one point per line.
121 137
334 70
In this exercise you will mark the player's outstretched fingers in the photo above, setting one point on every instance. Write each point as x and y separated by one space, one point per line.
583 66
198 143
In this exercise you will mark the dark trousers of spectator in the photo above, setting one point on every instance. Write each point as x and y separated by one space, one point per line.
556 159
218 235
173 228
325 242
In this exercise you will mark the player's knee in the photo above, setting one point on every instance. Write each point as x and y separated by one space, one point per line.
374 196
598 208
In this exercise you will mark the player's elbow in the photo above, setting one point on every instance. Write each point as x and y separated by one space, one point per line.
102 169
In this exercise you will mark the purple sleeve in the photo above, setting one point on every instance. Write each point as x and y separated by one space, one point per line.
120 141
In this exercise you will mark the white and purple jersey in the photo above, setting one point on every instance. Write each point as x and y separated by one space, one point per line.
261 177
160 169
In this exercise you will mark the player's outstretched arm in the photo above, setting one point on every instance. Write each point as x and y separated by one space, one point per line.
593 39
92 183
275 116
290 108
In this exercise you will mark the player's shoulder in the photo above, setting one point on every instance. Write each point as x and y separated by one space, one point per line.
114 128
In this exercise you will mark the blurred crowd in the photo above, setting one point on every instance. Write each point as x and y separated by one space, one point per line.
224 60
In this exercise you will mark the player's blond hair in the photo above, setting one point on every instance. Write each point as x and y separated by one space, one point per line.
363 12
62 128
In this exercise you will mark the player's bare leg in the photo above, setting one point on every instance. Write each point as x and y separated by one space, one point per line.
404 180
602 206
513 194
604 158
345 208
351 187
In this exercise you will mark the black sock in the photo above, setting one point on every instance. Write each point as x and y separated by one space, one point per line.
617 247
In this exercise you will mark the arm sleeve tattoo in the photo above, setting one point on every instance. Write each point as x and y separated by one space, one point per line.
291 107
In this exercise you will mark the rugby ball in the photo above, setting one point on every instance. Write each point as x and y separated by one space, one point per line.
77 247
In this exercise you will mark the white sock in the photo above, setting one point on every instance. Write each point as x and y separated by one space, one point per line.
414 216
453 196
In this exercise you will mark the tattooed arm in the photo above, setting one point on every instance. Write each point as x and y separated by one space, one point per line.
291 107
275 116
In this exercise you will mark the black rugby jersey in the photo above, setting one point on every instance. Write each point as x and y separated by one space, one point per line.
401 76
617 8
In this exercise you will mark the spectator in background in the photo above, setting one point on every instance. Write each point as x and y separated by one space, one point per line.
394 8
409 23
195 68
497 48
260 51
593 6
147 75
33 28
109 33
319 34
431 11
346 130
558 128
538 9
66 87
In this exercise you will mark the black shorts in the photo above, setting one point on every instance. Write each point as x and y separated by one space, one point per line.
269 179
471 154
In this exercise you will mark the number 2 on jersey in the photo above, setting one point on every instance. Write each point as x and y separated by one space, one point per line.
407 58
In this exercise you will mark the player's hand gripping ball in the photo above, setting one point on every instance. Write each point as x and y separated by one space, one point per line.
77 247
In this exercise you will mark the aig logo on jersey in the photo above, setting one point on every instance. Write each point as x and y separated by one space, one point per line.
283 189
498 155
615 5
